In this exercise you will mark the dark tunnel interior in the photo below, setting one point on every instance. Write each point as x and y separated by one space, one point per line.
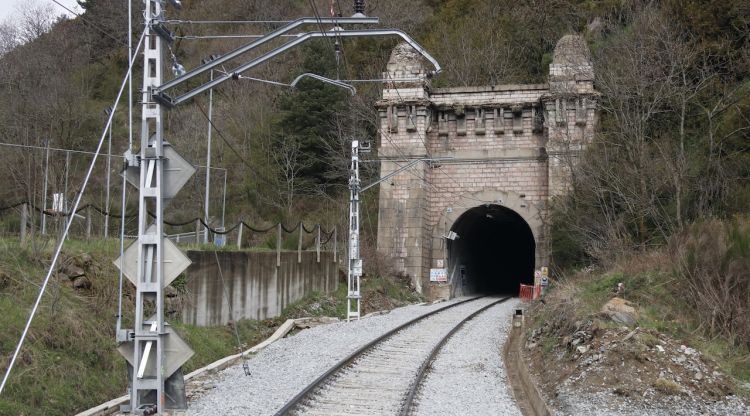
492 251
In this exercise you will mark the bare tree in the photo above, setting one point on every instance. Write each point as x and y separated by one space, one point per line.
289 161
8 37
34 19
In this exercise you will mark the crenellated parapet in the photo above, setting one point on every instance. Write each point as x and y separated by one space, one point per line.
516 142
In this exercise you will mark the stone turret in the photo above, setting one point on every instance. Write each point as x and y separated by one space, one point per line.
406 73
571 71
570 108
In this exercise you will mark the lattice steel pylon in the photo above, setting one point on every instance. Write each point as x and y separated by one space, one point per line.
355 262
150 240
152 262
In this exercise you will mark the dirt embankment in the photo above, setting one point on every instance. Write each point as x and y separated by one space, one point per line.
594 353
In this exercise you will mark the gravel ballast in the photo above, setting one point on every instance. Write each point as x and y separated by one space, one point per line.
283 369
468 375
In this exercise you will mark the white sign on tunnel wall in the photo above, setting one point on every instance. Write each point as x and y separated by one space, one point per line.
438 275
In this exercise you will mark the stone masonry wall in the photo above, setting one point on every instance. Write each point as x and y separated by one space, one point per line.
511 145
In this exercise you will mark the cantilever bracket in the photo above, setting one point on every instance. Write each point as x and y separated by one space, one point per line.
324 79
303 37
220 60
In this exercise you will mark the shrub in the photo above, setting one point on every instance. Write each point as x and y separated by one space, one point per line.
712 263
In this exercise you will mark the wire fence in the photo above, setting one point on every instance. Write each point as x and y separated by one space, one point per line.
24 219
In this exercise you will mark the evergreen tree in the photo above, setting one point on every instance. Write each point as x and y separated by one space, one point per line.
306 112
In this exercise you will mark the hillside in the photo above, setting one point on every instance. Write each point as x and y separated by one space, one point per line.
658 201
476 42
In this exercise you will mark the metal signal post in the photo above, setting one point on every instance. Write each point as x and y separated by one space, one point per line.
150 250
355 262
152 261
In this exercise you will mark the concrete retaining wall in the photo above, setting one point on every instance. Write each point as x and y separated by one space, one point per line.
256 287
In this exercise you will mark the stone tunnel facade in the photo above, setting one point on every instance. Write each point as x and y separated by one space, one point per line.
510 146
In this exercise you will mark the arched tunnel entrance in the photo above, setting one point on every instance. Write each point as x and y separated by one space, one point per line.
491 251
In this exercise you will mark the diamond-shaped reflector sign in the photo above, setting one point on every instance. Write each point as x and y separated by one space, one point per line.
177 171
175 261
176 353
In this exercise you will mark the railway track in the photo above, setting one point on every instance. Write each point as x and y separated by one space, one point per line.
383 376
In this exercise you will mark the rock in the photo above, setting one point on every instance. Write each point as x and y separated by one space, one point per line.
698 376
621 311
582 349
310 322
688 350
83 260
4 280
630 335
170 292
72 271
81 282
660 348
171 306
622 318
679 359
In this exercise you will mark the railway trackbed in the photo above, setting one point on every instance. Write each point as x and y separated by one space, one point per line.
383 376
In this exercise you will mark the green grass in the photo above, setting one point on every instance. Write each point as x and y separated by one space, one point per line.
69 362
379 293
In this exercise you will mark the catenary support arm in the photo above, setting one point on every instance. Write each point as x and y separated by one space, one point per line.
265 39
164 99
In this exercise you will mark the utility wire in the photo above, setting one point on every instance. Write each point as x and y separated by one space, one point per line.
231 313
68 223
197 37
94 25
123 202
320 26
224 22
28 146
232 148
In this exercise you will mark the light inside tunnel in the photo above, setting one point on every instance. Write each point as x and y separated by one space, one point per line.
492 251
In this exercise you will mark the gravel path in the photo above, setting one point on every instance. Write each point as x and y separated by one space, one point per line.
287 366
377 382
468 376
609 404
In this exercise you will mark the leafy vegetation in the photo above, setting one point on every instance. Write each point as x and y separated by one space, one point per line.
72 336
671 151
658 282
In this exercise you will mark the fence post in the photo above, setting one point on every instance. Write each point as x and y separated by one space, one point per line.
88 222
239 236
278 246
335 244
197 231
317 244
299 243
24 220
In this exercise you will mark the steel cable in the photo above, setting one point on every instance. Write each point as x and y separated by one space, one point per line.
68 224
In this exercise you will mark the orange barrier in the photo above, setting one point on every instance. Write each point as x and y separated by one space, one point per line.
527 293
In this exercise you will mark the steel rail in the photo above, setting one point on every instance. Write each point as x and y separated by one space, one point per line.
297 400
406 407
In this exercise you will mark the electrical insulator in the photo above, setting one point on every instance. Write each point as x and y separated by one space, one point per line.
359 6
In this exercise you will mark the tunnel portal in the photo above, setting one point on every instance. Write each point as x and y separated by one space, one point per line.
491 251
